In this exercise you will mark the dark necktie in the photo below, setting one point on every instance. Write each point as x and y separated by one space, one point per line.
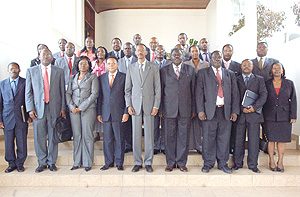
246 80
13 86
206 57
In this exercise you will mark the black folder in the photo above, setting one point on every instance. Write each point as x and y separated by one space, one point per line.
249 99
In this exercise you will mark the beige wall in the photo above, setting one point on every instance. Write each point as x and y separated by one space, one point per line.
25 24
163 24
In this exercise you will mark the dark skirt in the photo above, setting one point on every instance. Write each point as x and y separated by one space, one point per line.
278 131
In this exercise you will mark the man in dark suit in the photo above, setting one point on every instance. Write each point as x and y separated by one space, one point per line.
67 62
13 118
262 64
116 52
62 46
249 118
217 105
137 39
159 134
204 55
112 112
45 102
182 39
177 107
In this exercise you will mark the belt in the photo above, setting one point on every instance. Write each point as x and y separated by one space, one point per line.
220 105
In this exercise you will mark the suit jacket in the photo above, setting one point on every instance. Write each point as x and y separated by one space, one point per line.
207 91
202 64
57 55
63 64
34 94
282 107
234 67
122 64
147 56
186 53
255 84
200 56
266 67
84 94
167 62
111 100
112 54
178 95
10 105
143 94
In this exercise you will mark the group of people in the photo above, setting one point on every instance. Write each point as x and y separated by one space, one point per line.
195 100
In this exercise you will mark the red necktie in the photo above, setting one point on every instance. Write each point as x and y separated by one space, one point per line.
46 85
70 66
153 57
112 80
220 89
63 54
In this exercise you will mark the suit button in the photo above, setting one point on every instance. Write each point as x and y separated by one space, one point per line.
141 88
141 97
178 92
276 105
277 98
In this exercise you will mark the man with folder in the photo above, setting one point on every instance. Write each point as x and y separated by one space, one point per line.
253 95
13 118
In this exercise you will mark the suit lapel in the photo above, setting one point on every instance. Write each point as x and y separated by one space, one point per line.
255 63
146 71
7 86
251 80
84 78
265 63
52 76
116 79
171 71
20 85
182 70
212 74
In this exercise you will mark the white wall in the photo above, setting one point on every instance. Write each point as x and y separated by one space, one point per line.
25 24
161 23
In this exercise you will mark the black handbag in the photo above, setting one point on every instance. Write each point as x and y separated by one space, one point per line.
263 145
62 131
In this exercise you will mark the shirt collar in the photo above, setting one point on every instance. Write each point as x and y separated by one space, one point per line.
16 80
179 66
128 58
244 76
263 58
160 62
144 62
115 73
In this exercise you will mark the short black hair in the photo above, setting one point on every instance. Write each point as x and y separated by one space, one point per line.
84 48
112 57
216 51
182 34
81 58
63 39
117 39
283 70
37 48
13 63
176 49
262 43
142 45
194 46
128 43
101 47
227 45
246 60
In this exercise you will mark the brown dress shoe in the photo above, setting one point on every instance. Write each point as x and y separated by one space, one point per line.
183 169
169 168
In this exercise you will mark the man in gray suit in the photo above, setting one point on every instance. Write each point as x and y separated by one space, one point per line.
128 59
67 63
61 43
45 102
142 95
159 134
262 64
217 101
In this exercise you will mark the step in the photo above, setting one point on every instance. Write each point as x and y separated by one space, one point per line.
65 158
64 177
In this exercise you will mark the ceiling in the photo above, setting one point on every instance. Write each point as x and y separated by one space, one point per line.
104 5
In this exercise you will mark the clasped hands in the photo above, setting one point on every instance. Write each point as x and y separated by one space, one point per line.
202 116
33 115
132 112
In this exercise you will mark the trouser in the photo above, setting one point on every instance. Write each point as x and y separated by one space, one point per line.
216 137
176 140
20 134
159 134
41 129
128 133
253 144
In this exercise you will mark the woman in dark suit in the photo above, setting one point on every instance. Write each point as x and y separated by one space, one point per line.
81 98
280 111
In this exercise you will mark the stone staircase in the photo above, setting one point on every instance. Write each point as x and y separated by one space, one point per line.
194 177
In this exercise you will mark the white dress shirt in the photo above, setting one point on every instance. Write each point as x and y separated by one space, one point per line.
175 67
110 76
220 101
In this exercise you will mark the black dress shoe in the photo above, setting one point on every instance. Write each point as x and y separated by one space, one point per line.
163 151
10 169
120 168
20 168
255 169
105 167
74 168
149 168
40 168
235 168
183 169
205 169
156 151
225 169
127 150
87 169
52 167
199 152
136 168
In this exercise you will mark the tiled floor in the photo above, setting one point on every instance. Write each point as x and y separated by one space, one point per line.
148 191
